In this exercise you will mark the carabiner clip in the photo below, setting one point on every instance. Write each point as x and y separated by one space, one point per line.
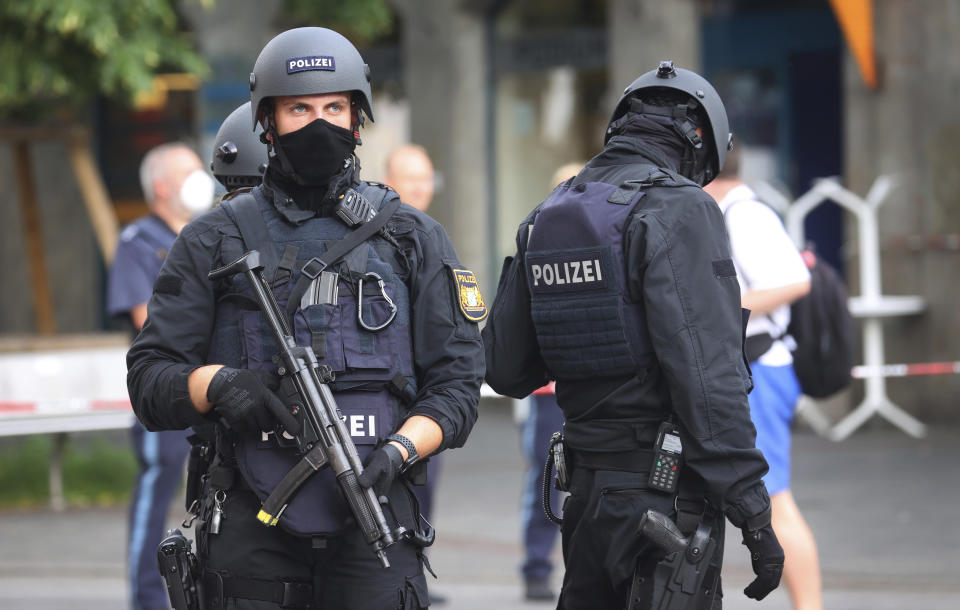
383 291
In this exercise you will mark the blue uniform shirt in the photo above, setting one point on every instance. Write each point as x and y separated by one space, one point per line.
143 245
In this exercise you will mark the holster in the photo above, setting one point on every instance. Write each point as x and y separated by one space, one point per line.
201 455
683 580
181 572
687 579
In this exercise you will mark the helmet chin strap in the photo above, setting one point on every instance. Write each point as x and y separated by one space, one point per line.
274 148
358 124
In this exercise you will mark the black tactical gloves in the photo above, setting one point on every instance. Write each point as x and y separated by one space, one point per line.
244 399
766 555
381 469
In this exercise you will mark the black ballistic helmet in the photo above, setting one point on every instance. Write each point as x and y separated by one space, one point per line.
239 157
309 61
696 88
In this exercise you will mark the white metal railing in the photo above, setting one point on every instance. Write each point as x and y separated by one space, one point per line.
871 306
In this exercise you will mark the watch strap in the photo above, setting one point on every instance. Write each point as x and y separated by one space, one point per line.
412 455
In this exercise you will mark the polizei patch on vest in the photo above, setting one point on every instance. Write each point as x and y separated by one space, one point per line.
468 295
362 423
566 271
313 62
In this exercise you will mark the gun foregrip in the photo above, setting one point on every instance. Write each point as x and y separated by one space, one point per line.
659 529
364 506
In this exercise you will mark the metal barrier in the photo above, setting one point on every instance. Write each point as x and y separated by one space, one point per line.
61 386
75 385
871 306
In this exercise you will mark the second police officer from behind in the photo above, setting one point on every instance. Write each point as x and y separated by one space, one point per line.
206 354
239 156
623 291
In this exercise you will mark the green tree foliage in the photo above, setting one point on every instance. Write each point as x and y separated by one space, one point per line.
361 21
70 50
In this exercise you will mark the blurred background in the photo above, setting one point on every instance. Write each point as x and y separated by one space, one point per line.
500 93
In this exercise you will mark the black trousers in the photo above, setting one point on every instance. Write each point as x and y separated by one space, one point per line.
601 547
342 570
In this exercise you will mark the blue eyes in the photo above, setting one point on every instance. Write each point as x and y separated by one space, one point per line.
333 109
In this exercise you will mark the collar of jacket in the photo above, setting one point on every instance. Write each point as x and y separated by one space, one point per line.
283 202
633 149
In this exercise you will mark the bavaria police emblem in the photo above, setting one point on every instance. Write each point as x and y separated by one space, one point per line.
468 294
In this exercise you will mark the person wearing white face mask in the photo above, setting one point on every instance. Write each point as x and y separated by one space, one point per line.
176 189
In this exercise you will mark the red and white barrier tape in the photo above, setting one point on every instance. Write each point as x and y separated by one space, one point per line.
70 406
906 370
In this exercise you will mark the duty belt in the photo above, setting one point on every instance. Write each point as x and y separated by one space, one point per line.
635 460
296 595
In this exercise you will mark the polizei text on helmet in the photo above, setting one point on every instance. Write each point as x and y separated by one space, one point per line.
313 62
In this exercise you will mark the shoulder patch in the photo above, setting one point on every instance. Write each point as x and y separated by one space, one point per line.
468 295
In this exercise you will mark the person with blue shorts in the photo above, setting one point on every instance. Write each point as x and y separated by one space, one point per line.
772 275
176 188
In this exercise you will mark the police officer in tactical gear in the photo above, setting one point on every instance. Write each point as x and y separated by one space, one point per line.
388 318
623 291
239 156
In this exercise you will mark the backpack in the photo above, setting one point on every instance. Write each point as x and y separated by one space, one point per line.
822 327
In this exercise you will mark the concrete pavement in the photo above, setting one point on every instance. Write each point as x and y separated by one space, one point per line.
882 506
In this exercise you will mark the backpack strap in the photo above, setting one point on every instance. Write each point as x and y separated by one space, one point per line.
757 344
244 211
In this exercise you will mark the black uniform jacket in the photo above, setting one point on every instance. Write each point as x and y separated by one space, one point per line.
448 357
679 265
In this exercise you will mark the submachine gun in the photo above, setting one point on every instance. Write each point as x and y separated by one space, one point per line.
323 438
683 580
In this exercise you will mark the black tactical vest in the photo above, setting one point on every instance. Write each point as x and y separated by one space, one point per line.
365 362
587 324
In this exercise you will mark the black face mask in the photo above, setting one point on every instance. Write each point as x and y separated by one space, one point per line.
316 151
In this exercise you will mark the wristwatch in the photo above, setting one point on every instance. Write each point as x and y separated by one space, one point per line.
412 455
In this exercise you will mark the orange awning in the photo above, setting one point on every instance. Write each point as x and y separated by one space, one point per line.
856 21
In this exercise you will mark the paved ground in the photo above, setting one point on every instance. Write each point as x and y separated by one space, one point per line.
882 505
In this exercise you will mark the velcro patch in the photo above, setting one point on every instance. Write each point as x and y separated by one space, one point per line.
168 284
572 271
312 62
724 268
468 295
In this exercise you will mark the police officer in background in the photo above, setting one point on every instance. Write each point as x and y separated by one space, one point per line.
239 156
176 189
623 291
408 384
